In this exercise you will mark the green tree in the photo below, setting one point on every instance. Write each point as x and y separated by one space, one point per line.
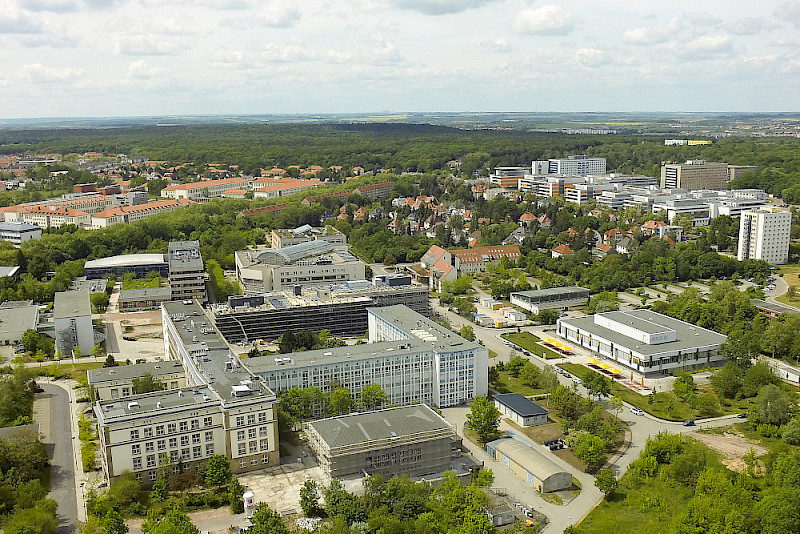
99 302
606 481
591 450
373 396
172 521
218 470
758 376
467 333
338 502
483 418
548 379
341 401
235 493
40 519
309 499
772 406
114 524
146 384
727 381
791 433
530 374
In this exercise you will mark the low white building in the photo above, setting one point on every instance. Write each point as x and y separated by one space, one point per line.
72 318
520 409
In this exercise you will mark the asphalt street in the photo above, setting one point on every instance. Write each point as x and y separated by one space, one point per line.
62 467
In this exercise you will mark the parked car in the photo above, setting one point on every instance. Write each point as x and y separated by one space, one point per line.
688 422
637 411
129 338
742 416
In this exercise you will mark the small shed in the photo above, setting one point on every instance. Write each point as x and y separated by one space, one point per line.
530 464
520 409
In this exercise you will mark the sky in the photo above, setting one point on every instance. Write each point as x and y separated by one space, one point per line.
94 58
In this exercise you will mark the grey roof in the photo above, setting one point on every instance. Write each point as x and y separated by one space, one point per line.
549 293
185 256
773 306
11 432
125 260
72 304
132 295
219 367
293 253
8 271
18 319
520 404
129 372
530 458
17 227
152 403
689 336
357 429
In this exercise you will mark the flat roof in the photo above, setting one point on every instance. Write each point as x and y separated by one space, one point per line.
552 292
125 260
423 334
689 336
9 271
359 429
774 306
520 404
220 367
127 295
71 304
152 403
646 321
18 227
129 372
18 319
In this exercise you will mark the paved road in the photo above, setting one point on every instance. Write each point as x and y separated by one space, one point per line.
62 468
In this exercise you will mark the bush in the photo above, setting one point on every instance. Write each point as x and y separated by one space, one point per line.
791 432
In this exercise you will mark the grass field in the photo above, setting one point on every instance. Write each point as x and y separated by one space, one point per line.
665 404
509 384
529 342
141 283
793 279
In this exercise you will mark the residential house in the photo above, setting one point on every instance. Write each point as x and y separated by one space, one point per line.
561 250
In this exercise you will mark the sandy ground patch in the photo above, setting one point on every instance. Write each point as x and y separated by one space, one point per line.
733 447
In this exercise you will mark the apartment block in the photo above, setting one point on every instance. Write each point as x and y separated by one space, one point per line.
200 191
17 232
764 234
579 165
112 383
281 238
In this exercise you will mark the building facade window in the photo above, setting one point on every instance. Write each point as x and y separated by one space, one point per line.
136 449
134 434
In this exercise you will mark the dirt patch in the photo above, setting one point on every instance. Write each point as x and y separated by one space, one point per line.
733 447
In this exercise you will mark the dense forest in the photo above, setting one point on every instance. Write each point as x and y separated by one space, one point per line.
409 147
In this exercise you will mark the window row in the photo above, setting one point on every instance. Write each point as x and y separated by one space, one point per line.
171 428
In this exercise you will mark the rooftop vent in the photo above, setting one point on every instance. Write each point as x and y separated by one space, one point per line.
158 404
134 405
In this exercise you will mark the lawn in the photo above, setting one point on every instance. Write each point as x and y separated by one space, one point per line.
141 283
529 342
794 280
665 404
65 369
509 384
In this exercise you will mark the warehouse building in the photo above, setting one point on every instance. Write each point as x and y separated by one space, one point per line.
554 298
645 341
412 440
531 464
16 318
411 357
150 298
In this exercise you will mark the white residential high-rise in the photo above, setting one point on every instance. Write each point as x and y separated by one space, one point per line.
581 165
764 235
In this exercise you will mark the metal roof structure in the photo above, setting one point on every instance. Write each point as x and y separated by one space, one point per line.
294 253
391 423
529 458
125 260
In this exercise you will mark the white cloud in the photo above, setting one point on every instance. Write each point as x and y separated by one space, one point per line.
545 20
15 20
438 7
288 53
499 44
150 44
141 70
789 11
710 44
385 51
277 14
339 56
591 57
38 73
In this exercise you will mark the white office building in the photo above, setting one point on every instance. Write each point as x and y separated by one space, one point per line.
72 321
764 234
581 165
411 357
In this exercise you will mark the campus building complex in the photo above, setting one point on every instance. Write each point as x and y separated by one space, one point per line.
764 234
187 276
223 409
411 357
695 174
644 341
314 262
